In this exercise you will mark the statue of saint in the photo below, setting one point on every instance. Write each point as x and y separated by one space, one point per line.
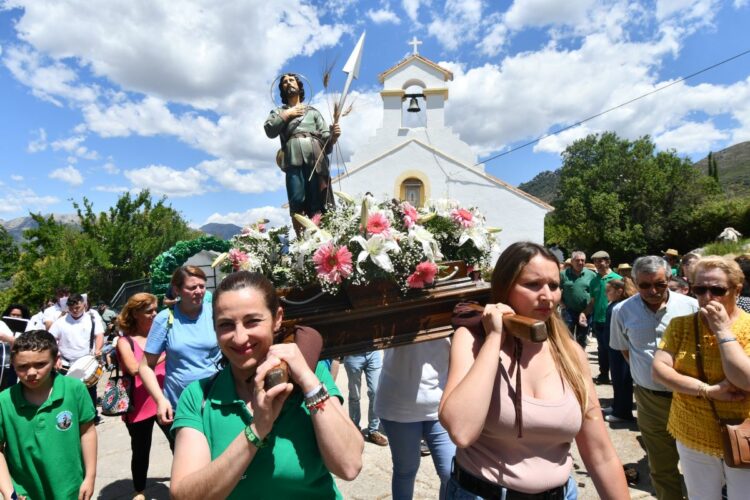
306 141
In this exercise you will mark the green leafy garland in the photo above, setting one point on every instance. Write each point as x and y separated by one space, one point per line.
164 265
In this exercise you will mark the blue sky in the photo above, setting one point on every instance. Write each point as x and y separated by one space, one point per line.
99 97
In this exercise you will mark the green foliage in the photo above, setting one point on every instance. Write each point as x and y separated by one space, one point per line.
109 248
8 254
624 197
164 264
727 247
708 219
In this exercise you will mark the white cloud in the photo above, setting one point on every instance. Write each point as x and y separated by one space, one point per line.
165 180
73 145
52 81
21 200
493 40
242 177
412 8
382 16
111 168
275 215
687 9
69 175
458 23
536 13
691 138
738 4
17 178
111 189
38 144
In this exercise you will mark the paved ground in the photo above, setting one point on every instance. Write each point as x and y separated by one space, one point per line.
113 478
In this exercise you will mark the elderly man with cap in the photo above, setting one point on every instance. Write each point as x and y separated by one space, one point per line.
575 282
598 305
638 324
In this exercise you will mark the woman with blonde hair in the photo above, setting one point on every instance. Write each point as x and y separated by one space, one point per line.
704 358
134 322
512 406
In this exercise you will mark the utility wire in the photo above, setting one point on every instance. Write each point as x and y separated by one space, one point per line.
659 89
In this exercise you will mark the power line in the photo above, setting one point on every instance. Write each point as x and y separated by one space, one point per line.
659 89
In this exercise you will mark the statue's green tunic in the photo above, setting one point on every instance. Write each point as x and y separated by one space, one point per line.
302 140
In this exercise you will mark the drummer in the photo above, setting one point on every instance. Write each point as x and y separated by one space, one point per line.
78 335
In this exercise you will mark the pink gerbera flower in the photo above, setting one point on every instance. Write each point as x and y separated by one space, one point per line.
237 257
333 264
410 214
316 219
377 223
423 275
462 217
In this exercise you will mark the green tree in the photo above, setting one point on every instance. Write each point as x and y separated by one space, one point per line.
104 250
624 197
8 255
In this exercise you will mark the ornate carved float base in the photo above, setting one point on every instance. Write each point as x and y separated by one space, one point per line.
418 317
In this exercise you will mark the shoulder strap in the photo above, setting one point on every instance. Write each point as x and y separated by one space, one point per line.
699 361
91 336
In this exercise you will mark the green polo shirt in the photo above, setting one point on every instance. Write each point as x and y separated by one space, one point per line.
599 294
576 289
43 443
289 467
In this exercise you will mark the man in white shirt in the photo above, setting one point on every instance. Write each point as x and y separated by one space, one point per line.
638 324
74 333
56 310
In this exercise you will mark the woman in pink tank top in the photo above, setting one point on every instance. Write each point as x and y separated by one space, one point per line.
135 322
512 406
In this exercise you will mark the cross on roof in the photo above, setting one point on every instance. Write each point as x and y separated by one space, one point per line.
414 42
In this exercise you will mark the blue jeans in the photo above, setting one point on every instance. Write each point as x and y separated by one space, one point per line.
577 330
404 439
454 491
622 385
602 347
371 363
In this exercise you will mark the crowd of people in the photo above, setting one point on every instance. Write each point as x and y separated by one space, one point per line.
497 413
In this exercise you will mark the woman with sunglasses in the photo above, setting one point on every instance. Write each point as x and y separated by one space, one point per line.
135 322
513 407
724 337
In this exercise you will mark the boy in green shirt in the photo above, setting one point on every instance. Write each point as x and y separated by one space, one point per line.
46 427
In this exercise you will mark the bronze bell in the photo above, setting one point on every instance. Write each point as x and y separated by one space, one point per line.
413 106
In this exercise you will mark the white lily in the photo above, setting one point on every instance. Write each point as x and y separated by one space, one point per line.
376 249
344 197
476 235
430 247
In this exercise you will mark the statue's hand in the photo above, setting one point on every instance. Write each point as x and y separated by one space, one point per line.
335 130
293 112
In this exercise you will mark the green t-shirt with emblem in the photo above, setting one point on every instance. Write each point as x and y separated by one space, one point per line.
599 294
576 289
43 443
289 467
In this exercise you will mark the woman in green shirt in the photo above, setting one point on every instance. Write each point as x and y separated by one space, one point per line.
234 439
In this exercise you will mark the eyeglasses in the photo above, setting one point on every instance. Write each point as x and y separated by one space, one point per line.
662 285
716 291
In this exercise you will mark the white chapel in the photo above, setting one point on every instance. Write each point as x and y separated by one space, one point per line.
414 156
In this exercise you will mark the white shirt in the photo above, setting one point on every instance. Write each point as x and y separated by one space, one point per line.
36 322
73 336
637 329
412 381
53 312
5 329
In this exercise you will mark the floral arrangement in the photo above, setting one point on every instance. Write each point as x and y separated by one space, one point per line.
461 232
363 241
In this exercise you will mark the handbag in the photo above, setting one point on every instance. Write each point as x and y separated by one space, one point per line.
735 433
118 391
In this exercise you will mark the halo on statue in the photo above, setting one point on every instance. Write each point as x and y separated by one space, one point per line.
274 87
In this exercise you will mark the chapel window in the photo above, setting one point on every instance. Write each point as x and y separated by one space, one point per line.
412 190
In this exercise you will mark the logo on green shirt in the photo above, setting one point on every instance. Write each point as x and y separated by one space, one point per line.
64 420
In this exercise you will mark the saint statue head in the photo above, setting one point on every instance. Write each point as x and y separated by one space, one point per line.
291 84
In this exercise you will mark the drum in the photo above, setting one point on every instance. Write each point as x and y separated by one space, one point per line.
86 369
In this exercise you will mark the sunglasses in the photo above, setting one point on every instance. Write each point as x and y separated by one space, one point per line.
648 286
716 291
